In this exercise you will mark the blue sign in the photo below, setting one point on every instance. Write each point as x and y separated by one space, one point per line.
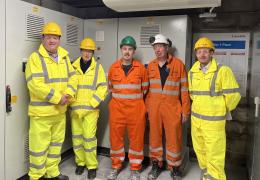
230 44
258 44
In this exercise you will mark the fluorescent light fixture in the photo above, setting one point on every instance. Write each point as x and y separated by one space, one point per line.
149 5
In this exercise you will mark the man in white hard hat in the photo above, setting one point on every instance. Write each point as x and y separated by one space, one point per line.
168 106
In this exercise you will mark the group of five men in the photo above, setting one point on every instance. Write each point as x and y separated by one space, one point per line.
163 90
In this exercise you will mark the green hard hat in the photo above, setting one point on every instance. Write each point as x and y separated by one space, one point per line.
128 40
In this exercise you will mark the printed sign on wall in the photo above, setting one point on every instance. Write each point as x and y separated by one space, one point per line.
232 49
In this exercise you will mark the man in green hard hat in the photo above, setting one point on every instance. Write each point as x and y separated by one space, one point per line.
128 82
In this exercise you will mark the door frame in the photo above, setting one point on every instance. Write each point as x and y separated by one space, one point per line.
2 86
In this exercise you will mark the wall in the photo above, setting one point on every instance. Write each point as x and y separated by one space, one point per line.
109 33
18 49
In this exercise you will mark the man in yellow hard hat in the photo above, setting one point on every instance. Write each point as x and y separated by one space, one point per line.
214 91
47 74
91 90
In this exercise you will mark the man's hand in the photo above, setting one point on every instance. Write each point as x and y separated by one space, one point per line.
64 99
184 118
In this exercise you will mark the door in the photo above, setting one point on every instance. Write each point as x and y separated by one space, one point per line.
254 111
2 88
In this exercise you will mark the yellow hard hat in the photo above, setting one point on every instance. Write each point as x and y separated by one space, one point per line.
88 43
51 28
204 42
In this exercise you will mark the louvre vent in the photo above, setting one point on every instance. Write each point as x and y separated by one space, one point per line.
72 34
26 148
146 32
34 25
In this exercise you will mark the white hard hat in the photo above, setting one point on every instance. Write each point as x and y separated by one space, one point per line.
159 38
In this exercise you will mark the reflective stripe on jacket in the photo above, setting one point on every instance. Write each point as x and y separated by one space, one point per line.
47 80
91 87
214 93
175 90
133 86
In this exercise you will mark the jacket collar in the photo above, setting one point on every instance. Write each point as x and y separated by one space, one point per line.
76 64
119 63
212 68
61 52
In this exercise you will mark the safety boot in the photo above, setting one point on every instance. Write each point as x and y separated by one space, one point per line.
135 175
92 173
61 177
155 172
113 174
79 170
176 173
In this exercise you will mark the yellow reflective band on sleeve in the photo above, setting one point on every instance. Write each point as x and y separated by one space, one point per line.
205 93
33 103
72 73
97 98
72 88
33 75
50 95
82 107
229 91
102 84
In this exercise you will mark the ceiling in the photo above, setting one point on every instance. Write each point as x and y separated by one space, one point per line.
233 14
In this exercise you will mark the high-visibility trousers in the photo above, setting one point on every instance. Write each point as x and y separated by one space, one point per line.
84 139
210 148
46 136
164 115
127 115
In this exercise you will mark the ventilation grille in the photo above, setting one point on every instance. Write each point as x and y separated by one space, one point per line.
146 32
26 148
72 34
34 25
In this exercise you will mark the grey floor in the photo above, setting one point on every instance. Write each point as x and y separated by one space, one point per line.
192 171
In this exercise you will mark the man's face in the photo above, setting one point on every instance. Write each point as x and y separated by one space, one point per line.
51 42
86 54
127 52
160 50
204 55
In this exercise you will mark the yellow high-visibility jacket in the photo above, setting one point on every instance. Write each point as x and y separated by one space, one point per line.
91 88
47 80
214 94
